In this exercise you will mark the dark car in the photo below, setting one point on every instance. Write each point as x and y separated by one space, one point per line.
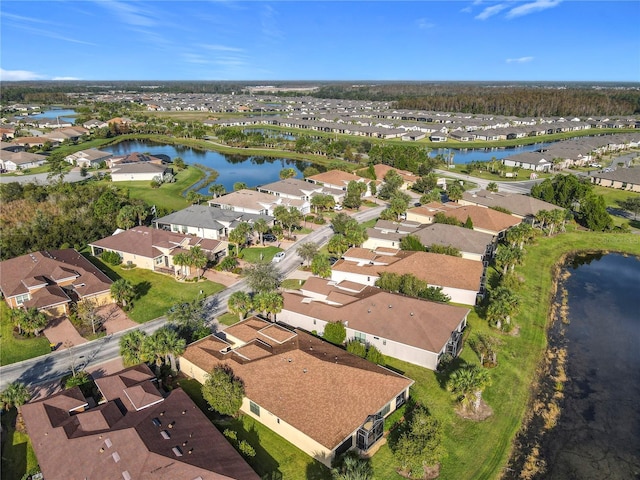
333 260
269 237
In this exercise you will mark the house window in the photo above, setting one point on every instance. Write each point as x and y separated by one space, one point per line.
400 399
361 337
158 260
255 408
384 341
385 410
20 299
314 321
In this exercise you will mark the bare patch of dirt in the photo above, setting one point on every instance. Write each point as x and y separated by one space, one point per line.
482 413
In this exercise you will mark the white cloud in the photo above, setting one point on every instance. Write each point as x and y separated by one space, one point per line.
535 6
130 13
519 60
424 23
19 75
269 23
221 48
491 11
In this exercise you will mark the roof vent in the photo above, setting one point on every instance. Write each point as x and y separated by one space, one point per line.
390 306
411 314
116 457
165 434
304 370
177 451
156 421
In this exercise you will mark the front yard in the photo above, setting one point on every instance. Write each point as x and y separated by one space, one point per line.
156 292
14 348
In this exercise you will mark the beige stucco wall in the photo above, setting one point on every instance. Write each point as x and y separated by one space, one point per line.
373 243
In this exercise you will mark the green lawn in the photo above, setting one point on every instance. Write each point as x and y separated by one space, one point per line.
14 349
259 254
273 453
18 456
228 318
169 195
156 292
292 284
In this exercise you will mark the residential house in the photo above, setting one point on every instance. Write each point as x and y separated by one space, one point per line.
409 329
257 203
461 279
472 244
14 161
134 432
293 188
622 178
339 180
521 206
134 157
207 222
50 280
317 396
89 158
141 171
484 219
535 161
95 123
155 249
408 178
387 234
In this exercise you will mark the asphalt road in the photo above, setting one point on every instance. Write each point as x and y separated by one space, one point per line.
55 365
522 186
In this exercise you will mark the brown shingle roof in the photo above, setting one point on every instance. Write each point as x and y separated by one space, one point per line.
484 218
309 377
105 441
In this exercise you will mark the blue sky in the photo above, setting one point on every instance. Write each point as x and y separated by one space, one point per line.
481 40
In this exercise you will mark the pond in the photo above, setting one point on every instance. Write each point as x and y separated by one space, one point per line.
252 170
598 432
62 113
466 155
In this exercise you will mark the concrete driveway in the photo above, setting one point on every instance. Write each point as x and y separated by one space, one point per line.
61 330
115 320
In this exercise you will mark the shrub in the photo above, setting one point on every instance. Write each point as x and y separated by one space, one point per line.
319 220
112 258
357 348
335 332
374 355
80 378
228 264
230 434
246 449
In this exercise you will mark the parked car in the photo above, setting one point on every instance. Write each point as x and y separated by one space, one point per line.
269 237
337 208
595 165
278 257
333 260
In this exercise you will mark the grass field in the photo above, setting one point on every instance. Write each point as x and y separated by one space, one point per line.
259 254
15 349
18 456
156 292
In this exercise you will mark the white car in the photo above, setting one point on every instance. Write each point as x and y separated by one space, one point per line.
337 208
278 257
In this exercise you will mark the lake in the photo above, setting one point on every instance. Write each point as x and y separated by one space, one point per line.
66 114
252 170
598 433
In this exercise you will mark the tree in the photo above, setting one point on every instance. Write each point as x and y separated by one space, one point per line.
126 217
468 223
310 172
239 235
166 343
15 395
351 467
492 187
507 257
353 198
131 347
486 347
29 321
467 384
239 303
412 243
239 186
632 205
181 260
320 266
454 191
289 218
338 244
307 251
287 173
194 198
260 226
122 292
198 258
178 162
374 355
223 391
335 332
399 203
341 223
87 312
420 445
503 304
444 249
434 195
425 183
392 183
190 318
441 217
269 303
263 277
216 189
593 213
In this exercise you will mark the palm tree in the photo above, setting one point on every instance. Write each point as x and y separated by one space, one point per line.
15 395
169 344
503 304
122 292
238 235
181 260
216 190
198 258
239 303
352 467
28 321
307 251
287 173
269 303
131 347
467 384
261 227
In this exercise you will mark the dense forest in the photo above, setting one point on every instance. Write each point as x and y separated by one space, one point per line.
499 98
